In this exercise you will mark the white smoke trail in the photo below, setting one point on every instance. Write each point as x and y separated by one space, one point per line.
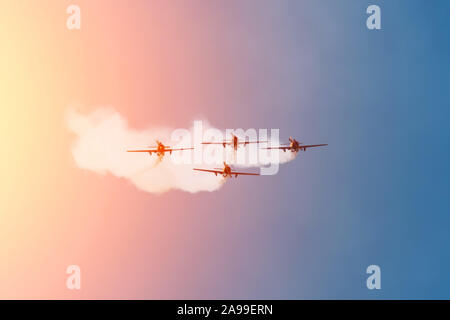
103 137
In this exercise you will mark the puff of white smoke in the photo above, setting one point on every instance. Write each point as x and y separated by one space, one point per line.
103 136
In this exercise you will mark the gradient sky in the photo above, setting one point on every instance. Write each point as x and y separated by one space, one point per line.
378 194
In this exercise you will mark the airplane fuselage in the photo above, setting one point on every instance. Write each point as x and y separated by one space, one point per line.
294 146
235 143
226 172
160 150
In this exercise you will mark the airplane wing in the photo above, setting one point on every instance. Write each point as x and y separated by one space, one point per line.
244 173
281 148
216 142
302 146
145 150
178 149
247 142
206 170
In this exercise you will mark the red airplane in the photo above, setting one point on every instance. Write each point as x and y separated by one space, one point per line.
160 150
296 146
227 172
234 142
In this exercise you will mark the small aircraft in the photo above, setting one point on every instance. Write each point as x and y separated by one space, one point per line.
226 172
234 142
296 146
160 150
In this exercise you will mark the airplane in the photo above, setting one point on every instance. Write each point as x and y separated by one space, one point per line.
160 150
226 172
234 142
296 146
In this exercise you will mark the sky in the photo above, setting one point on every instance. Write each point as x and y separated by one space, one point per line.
377 194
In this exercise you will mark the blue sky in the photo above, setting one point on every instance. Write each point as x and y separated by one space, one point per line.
382 194
379 194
